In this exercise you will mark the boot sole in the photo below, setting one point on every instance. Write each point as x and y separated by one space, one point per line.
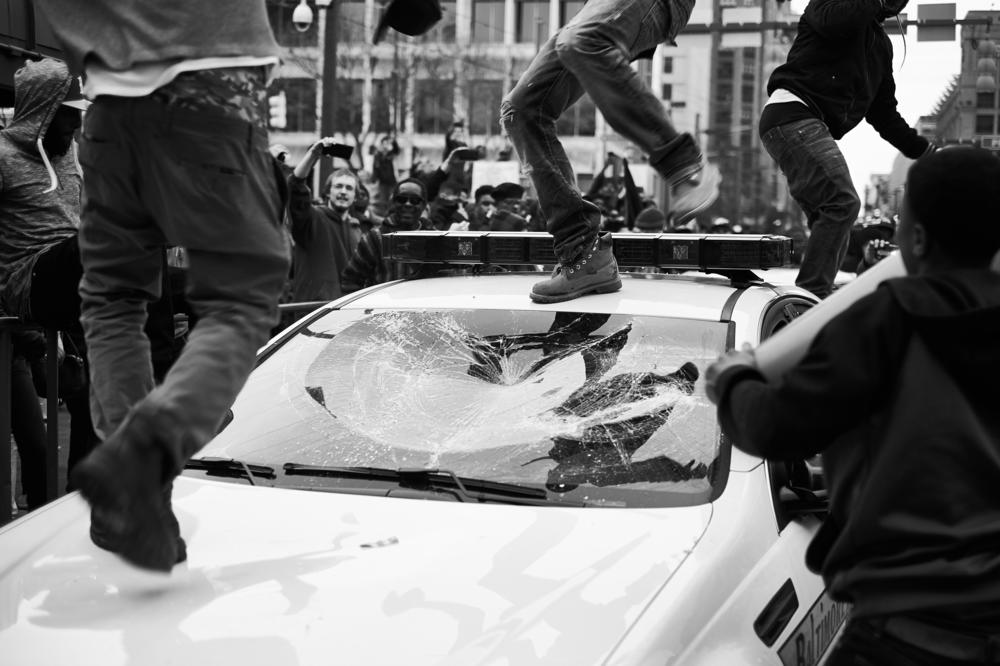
146 542
604 288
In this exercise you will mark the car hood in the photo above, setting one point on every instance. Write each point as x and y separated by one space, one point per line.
296 577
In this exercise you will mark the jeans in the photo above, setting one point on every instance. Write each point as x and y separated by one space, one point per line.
592 54
157 175
819 180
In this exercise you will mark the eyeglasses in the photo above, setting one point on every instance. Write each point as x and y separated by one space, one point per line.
408 201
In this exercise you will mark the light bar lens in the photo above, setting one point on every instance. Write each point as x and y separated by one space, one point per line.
688 251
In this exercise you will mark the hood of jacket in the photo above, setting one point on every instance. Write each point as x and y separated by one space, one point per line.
39 88
957 314
891 8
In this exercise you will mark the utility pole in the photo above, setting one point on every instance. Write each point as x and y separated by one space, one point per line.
328 54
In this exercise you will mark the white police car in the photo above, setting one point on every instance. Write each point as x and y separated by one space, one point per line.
588 509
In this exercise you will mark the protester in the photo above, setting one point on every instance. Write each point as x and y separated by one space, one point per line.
40 189
362 211
838 72
650 221
325 235
175 152
446 210
27 425
368 265
384 171
483 207
898 393
591 54
508 214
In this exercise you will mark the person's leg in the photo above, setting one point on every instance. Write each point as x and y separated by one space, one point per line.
528 115
208 180
819 180
598 47
28 429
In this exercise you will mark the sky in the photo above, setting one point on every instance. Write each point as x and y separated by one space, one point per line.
920 82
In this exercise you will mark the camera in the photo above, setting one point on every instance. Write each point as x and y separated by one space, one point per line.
886 250
340 150
302 17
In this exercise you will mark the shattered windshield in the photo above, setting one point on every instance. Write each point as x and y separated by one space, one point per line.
596 407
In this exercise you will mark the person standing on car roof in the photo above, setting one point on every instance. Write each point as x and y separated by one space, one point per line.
174 152
838 72
592 54
325 235
898 392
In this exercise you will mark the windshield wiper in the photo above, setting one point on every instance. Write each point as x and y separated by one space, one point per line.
231 467
464 489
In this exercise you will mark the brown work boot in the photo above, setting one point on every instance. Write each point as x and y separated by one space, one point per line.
594 271
128 489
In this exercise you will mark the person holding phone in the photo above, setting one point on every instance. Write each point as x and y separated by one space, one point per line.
324 234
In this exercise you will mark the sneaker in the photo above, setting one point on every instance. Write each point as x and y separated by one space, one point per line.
594 272
695 193
122 479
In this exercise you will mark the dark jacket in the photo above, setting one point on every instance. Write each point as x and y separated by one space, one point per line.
324 241
899 393
840 64
368 265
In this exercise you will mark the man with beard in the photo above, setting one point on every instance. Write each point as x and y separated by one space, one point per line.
325 235
838 72
368 265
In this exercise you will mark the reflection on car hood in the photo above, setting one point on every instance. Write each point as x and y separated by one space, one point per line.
294 577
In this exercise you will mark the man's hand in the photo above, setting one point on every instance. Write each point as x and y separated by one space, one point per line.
315 151
727 364
876 250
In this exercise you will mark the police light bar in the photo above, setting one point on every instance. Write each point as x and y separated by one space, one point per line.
679 251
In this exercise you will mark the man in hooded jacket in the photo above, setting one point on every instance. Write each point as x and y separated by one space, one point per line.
838 73
898 392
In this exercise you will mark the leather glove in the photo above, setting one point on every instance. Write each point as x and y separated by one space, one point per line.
726 368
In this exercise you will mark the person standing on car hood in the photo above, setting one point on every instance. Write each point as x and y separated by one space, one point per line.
899 393
174 152
838 73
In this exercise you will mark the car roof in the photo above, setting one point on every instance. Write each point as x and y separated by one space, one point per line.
690 296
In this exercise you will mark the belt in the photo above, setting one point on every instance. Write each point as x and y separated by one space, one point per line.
943 642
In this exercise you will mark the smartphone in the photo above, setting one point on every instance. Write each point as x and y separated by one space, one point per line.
467 154
341 150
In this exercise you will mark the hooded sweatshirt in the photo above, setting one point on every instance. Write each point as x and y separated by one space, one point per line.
840 65
899 394
39 202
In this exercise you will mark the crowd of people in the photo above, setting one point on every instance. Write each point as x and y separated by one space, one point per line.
174 153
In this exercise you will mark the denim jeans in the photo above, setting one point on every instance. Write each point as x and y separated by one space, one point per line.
592 54
819 180
157 175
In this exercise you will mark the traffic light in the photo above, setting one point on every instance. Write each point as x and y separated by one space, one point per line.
278 111
986 68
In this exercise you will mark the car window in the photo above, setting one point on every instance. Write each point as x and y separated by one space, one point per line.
606 409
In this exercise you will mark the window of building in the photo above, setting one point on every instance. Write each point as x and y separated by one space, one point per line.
725 65
280 17
568 9
351 21
347 105
747 93
484 106
300 103
984 124
579 119
668 65
985 100
433 105
444 31
532 21
668 92
487 21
